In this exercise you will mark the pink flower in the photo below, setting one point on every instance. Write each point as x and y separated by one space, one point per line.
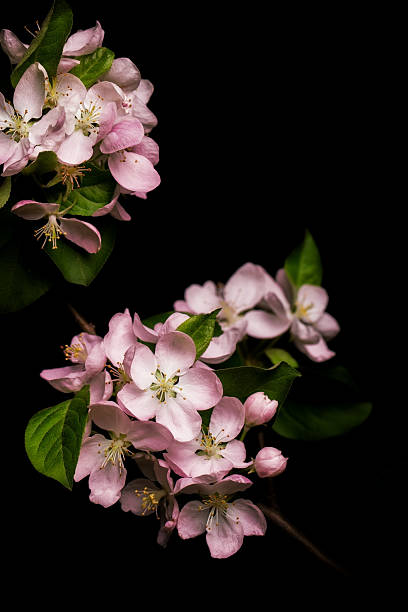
82 42
259 409
15 122
154 494
103 459
269 462
243 291
302 313
165 385
224 521
87 354
80 233
117 341
215 453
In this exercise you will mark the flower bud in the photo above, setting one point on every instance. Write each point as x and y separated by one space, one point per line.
259 409
269 462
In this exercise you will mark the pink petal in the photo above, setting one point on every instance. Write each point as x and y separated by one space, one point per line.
183 422
250 516
316 352
181 456
172 323
90 456
224 537
12 46
227 419
71 92
48 133
66 64
7 147
119 338
126 133
124 73
133 171
201 387
108 415
119 213
148 148
221 347
192 520
327 326
149 436
304 333
67 380
142 331
19 158
32 210
96 360
175 353
144 114
84 42
181 306
143 366
145 90
101 387
285 284
261 324
76 148
108 207
29 95
106 485
245 288
81 233
202 299
235 452
314 299
138 403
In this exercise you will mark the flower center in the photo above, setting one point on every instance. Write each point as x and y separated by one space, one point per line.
228 315
119 375
71 174
15 126
217 505
164 387
150 498
210 447
51 231
116 451
302 310
87 119
76 351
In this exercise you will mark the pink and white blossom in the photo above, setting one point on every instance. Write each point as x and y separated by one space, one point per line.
259 409
269 462
103 459
167 386
224 520
79 232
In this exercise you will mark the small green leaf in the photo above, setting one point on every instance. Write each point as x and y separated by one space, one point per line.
48 44
46 162
53 439
241 382
93 66
276 355
300 421
201 329
303 266
5 190
78 266
97 189
20 284
159 318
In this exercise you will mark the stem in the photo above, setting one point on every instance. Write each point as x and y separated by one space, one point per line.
279 520
89 328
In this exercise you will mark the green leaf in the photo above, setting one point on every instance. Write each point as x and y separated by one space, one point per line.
20 284
316 422
243 381
201 329
46 162
78 266
97 188
5 190
159 318
48 44
276 355
93 66
303 266
53 439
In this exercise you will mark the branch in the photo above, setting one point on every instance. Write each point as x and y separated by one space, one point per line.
89 328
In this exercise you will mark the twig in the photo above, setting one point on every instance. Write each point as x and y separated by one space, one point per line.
89 328
279 520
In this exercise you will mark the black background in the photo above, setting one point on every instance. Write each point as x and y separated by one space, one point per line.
268 124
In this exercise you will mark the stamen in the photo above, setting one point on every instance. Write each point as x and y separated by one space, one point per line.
51 231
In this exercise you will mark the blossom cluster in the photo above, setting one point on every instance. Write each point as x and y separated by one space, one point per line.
106 125
150 394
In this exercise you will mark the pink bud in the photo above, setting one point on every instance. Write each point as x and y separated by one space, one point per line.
269 462
259 409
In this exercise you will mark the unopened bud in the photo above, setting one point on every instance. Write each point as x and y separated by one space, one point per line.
269 462
259 409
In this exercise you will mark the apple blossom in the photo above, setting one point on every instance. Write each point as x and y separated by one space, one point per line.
301 312
225 521
79 232
168 386
269 462
103 459
259 409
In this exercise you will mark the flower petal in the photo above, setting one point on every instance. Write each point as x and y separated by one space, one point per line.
132 502
126 133
29 95
314 300
142 331
245 288
201 388
137 402
124 73
76 148
250 517
67 380
90 456
149 436
224 537
133 171
227 419
175 353
318 351
202 299
84 42
108 415
183 422
106 484
327 326
12 46
148 148
261 324
82 233
192 520
119 337
143 367
32 210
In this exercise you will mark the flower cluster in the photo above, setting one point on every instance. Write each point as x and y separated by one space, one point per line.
104 126
150 398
